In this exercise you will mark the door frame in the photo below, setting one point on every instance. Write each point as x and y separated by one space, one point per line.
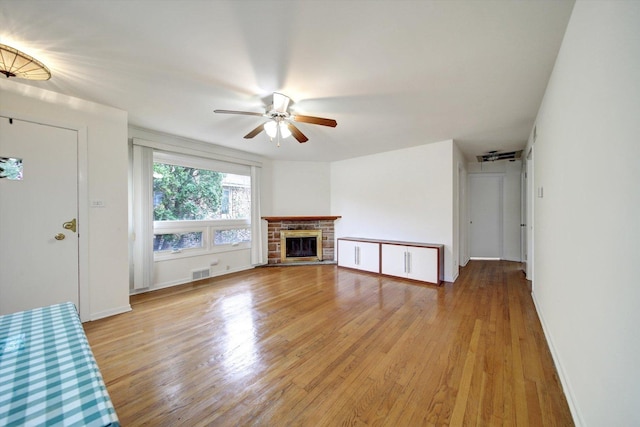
83 202
463 244
529 270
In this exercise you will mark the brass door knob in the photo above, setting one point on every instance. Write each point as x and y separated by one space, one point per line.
70 225
59 236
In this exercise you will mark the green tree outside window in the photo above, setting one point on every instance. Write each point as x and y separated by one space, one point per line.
185 193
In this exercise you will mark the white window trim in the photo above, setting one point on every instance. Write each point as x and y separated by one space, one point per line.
208 228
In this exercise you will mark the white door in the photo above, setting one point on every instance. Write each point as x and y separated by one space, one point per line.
394 260
347 253
485 216
369 256
38 244
360 255
423 264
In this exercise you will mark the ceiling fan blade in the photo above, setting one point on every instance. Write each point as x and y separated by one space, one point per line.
315 120
280 102
296 133
244 113
255 132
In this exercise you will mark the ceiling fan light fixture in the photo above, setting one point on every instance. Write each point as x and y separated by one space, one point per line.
284 130
14 63
271 128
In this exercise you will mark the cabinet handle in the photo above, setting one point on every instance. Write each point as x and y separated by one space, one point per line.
356 255
408 262
405 262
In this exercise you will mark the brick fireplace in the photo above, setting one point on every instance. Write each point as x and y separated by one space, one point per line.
276 224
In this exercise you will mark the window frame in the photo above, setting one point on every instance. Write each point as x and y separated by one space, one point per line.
207 227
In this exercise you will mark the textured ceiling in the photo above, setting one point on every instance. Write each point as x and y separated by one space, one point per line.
394 74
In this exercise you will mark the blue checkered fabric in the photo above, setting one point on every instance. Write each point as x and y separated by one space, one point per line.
48 375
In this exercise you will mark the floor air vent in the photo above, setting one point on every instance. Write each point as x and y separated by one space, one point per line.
200 274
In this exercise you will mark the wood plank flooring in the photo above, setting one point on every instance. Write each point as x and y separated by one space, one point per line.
328 346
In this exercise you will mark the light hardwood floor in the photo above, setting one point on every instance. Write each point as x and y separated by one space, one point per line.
328 346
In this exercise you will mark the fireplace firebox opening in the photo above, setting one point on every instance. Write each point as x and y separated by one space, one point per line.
301 245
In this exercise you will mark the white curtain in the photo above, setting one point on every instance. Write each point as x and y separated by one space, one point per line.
142 217
256 220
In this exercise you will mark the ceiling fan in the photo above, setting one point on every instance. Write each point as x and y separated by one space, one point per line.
279 124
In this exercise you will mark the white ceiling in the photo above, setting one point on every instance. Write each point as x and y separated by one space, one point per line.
394 74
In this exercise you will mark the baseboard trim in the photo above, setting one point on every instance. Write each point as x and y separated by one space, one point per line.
564 380
185 280
111 312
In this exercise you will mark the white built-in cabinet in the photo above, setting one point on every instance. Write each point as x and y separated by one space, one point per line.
416 261
359 255
412 262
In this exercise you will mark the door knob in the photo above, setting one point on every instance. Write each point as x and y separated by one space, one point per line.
59 236
70 225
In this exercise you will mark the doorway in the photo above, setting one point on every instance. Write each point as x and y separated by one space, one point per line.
39 215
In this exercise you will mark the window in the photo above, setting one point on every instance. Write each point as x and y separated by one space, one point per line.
176 242
224 208
198 207
232 236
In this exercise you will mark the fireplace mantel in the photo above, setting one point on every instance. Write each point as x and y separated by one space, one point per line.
301 218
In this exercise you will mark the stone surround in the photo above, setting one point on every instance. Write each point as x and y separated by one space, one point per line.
277 223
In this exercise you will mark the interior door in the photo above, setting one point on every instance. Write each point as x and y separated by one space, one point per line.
38 215
485 212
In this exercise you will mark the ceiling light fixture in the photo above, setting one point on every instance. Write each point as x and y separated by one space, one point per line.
271 128
284 130
277 128
14 63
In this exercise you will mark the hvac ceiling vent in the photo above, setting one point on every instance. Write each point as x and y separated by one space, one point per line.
492 156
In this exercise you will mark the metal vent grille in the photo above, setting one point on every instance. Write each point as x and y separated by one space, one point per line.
493 156
199 274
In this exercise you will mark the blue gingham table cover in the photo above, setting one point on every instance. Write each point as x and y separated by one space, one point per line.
48 375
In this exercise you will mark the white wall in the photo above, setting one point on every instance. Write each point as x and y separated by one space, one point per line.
400 195
107 275
172 272
586 224
511 203
300 188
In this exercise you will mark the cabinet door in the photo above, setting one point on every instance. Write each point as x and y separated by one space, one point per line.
394 260
360 255
369 256
347 253
423 264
